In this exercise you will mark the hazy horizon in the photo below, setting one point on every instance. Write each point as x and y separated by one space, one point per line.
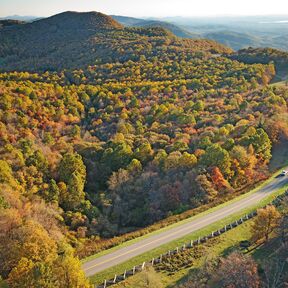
144 9
159 17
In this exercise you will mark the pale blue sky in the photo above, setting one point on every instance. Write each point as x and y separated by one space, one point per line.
138 8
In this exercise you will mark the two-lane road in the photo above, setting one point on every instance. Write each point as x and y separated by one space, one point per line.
123 254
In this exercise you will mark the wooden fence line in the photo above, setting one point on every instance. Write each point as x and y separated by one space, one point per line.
191 244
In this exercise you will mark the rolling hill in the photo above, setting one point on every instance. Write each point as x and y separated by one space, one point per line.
233 39
264 56
75 40
135 22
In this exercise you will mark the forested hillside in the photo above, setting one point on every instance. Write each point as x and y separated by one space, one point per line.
234 32
264 56
76 40
112 129
134 22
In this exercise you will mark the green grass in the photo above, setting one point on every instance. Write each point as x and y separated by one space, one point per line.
109 273
219 246
208 211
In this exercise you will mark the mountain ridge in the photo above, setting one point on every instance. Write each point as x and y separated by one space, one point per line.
87 20
138 22
74 39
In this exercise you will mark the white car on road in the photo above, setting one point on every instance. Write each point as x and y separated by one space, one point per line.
284 173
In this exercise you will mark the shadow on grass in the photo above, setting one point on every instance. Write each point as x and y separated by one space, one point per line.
192 272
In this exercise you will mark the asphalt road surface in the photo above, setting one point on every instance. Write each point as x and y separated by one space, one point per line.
121 255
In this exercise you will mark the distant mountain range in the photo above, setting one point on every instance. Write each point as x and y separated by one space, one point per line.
235 32
175 29
20 18
73 40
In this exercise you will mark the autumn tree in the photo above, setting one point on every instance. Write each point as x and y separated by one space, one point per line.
187 160
217 156
31 241
262 144
72 172
68 271
6 174
64 271
205 187
32 274
265 222
219 182
237 271
135 166
144 152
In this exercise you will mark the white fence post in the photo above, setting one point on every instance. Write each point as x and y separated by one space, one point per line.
115 278
198 241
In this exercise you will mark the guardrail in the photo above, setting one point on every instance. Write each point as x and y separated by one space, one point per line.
191 244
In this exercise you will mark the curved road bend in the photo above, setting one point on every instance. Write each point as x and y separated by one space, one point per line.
119 256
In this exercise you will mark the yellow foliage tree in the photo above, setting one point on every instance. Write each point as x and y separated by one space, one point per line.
21 276
29 241
266 221
69 273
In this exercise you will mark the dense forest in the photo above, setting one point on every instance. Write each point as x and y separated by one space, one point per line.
264 56
113 129
77 40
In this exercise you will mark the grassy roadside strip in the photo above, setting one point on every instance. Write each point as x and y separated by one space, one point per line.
181 222
217 247
109 273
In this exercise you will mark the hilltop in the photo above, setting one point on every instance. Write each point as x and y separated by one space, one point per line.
175 29
75 40
80 20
